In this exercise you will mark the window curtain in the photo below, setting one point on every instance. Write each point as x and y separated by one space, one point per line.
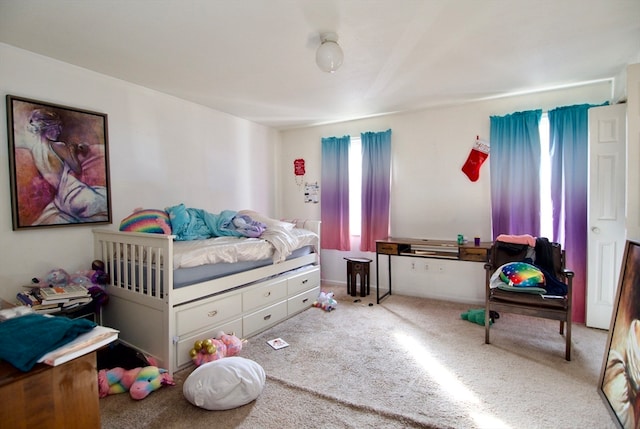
376 188
515 173
569 151
334 193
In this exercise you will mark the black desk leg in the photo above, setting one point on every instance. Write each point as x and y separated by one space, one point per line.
377 280
378 297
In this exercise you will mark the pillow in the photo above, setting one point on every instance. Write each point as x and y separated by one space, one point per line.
521 274
147 220
518 277
224 383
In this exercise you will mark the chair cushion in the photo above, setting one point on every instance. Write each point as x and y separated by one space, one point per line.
534 300
225 383
517 289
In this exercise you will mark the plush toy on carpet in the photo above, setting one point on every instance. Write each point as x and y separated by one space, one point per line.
210 349
326 301
477 316
139 382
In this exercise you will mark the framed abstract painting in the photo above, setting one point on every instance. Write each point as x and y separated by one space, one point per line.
619 384
58 165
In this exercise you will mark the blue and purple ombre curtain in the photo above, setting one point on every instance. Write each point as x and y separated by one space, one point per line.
569 152
334 193
376 188
515 173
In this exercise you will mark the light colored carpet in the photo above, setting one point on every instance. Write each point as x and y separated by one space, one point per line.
408 362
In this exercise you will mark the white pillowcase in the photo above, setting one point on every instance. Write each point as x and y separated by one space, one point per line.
225 383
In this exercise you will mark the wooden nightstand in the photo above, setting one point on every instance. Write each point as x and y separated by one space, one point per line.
64 396
84 312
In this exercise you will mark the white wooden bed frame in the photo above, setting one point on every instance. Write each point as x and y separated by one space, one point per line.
164 326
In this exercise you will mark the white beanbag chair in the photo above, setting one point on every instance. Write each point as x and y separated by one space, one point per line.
224 383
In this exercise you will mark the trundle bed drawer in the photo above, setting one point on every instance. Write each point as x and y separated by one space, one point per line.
208 313
186 344
304 281
261 295
302 301
264 318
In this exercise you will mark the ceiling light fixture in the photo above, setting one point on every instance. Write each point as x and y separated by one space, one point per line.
329 54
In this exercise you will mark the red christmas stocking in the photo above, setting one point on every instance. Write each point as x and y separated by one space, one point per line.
479 153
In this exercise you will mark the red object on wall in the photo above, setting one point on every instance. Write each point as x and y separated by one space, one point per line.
298 167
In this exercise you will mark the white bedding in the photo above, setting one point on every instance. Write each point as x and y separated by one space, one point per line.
275 244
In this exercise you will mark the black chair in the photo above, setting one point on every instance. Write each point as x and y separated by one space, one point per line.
504 301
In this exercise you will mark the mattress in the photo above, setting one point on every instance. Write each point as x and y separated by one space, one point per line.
202 260
187 276
231 250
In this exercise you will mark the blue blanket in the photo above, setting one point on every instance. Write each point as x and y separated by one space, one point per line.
24 339
198 224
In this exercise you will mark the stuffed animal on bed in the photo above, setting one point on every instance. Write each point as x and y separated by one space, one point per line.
139 382
210 349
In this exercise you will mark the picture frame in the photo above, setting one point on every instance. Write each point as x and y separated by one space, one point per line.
618 386
58 165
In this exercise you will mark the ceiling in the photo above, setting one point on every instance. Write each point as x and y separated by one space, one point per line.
256 58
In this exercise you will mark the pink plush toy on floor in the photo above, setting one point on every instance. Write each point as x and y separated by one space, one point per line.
211 349
139 382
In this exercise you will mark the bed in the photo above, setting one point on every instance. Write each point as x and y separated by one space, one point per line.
161 308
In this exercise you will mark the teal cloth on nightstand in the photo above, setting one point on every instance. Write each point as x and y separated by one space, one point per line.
24 339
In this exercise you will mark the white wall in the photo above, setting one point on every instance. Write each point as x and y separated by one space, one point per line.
431 197
633 152
163 151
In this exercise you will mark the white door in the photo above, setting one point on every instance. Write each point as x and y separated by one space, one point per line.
606 213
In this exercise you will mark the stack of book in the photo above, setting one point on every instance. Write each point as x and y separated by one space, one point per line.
55 299
30 299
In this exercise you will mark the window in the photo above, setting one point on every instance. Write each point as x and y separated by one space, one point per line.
546 210
355 186
370 181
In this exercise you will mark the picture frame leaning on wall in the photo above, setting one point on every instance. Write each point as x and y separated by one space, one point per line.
58 165
619 384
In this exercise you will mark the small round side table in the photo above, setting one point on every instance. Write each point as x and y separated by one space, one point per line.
355 267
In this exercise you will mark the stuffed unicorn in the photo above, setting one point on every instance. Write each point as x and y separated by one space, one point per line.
139 382
326 301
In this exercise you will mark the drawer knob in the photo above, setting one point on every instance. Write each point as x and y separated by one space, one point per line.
267 294
305 300
267 317
304 281
212 313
